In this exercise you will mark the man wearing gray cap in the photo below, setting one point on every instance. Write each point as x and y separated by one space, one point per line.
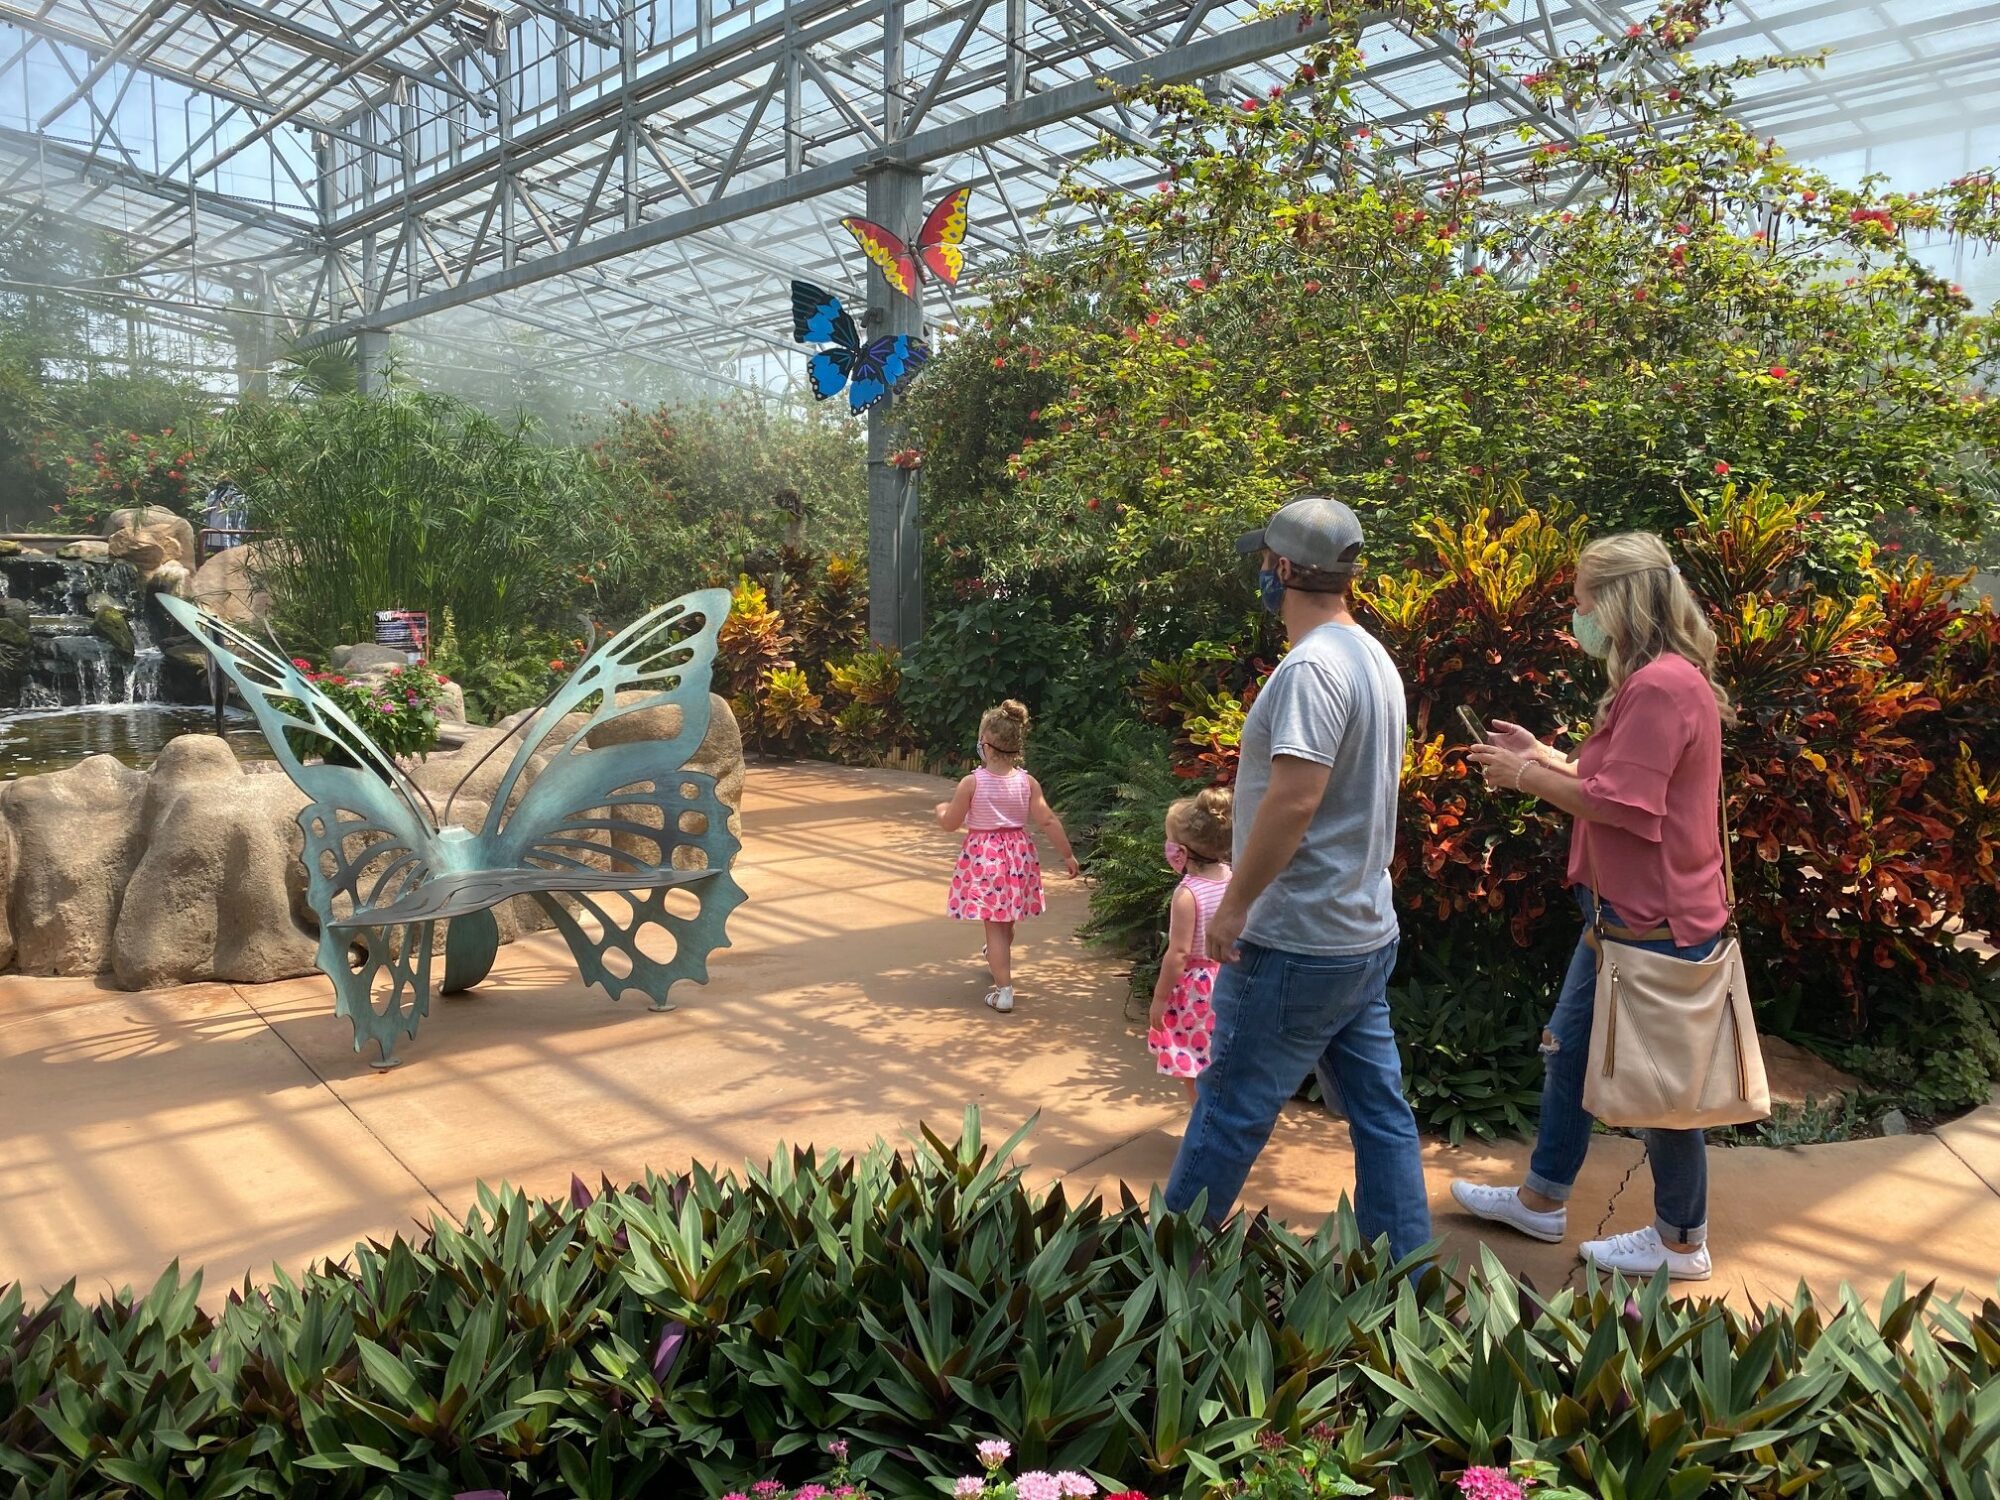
1307 931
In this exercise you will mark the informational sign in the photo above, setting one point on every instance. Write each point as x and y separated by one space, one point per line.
406 629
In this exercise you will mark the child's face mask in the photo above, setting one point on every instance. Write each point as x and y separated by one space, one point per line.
1177 856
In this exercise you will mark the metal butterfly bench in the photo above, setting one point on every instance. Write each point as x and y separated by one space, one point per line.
383 867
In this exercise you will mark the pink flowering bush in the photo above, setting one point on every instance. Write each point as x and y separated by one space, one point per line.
841 1484
1282 1469
398 712
994 1483
1522 1481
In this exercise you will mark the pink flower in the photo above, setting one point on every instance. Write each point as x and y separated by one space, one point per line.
302 664
809 1492
838 1448
1488 1484
994 1452
1721 467
1078 1486
767 1487
969 1487
1035 1485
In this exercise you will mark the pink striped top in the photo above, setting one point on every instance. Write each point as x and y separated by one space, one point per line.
998 801
1208 891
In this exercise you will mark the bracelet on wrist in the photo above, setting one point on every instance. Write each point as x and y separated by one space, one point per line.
1521 774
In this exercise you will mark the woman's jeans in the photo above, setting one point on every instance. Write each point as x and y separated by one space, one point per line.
1679 1157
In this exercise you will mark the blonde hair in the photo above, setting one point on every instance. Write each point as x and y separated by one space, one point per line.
1204 824
1006 728
1646 608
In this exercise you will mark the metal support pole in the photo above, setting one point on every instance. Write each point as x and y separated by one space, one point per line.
895 546
371 360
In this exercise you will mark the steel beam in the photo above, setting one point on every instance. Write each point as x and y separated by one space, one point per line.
1214 54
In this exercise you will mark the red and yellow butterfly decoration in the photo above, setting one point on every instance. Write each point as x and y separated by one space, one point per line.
940 244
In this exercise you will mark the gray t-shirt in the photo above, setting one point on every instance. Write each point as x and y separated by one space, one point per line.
1336 699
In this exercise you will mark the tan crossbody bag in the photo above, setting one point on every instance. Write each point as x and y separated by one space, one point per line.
1673 1043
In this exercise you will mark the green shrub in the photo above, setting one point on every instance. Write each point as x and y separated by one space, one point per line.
703 489
981 654
1469 1036
690 1332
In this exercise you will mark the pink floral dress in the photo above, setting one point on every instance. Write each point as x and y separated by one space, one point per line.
999 875
1180 1043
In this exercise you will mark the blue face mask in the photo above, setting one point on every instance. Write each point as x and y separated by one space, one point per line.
1270 590
1590 635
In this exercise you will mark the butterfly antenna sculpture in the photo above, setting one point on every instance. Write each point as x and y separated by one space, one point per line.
600 816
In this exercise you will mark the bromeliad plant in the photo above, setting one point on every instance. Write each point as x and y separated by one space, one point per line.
686 1334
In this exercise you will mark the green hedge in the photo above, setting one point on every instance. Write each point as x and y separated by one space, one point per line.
681 1335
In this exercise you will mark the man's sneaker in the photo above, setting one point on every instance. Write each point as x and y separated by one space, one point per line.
1643 1252
1503 1205
1001 999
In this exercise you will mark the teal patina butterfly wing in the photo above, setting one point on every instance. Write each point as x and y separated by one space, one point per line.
640 845
370 839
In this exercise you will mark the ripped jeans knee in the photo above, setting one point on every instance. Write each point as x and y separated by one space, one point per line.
1549 1046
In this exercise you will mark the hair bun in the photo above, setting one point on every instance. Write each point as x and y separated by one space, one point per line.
1217 802
1016 710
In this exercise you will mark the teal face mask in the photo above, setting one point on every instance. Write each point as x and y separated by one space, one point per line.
1589 634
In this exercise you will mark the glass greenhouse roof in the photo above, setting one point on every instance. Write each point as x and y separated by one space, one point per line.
642 177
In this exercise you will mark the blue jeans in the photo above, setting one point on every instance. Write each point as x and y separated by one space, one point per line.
1679 1157
1277 1016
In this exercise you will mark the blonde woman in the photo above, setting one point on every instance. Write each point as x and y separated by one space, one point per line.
1646 849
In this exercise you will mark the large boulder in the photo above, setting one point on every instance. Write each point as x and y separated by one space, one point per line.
148 538
76 840
219 892
111 623
191 871
366 657
87 550
227 586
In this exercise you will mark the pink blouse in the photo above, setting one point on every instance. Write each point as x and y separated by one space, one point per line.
1650 775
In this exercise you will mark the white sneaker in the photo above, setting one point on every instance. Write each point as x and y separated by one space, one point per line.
1503 1205
1642 1252
1001 999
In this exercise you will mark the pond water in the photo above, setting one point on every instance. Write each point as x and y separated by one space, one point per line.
33 740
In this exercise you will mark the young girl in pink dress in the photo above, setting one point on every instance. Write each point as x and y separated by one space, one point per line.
1182 1020
999 877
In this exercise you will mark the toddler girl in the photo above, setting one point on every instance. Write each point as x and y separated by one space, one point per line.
999 878
1182 1018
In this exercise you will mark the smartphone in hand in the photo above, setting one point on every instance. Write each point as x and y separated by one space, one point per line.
1474 725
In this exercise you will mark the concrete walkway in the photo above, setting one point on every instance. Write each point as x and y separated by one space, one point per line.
232 1127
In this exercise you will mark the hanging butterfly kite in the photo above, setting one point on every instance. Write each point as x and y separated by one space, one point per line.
870 373
940 245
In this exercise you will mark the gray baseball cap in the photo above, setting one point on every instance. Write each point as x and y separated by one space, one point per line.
1313 531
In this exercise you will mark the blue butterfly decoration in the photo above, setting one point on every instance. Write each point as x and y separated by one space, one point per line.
871 373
